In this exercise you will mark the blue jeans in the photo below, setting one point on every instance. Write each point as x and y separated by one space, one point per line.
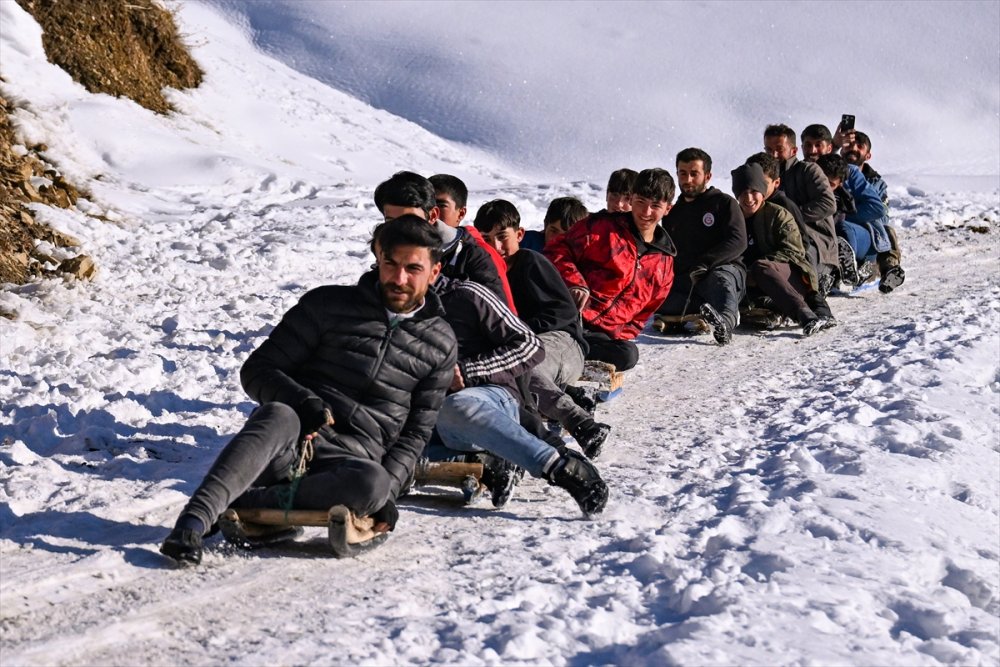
860 238
485 418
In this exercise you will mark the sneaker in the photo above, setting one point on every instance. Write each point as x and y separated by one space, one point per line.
585 399
590 435
183 545
867 271
815 325
892 278
500 476
580 478
848 263
826 282
720 328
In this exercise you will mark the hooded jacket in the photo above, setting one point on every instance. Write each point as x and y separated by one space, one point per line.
627 277
383 382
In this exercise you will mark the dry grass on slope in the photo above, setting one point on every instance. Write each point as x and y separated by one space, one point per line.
126 48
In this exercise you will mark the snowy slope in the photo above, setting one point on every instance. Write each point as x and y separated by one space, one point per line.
822 501
581 88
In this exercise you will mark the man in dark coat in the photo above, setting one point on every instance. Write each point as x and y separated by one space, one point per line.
710 235
806 185
355 373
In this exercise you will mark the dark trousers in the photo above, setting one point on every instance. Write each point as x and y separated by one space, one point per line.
786 286
255 470
622 354
723 288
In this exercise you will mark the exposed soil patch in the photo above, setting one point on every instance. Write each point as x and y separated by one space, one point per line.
122 48
126 48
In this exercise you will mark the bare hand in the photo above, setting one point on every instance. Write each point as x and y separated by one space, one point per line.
580 297
457 382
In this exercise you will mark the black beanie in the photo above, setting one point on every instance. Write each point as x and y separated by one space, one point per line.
749 177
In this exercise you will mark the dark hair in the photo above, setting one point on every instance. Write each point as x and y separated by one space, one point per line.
769 164
497 213
408 230
408 189
692 154
622 181
833 165
655 184
451 186
863 139
817 131
781 130
568 210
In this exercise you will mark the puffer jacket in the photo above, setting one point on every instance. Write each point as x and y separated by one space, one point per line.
628 278
383 383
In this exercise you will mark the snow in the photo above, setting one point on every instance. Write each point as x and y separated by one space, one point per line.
831 500
581 88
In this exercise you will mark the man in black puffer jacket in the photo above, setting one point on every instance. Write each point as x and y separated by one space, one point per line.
358 371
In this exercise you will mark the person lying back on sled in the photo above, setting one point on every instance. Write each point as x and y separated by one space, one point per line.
354 374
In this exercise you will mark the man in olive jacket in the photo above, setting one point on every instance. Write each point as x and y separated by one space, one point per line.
359 372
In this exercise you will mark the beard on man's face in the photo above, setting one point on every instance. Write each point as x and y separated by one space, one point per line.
400 298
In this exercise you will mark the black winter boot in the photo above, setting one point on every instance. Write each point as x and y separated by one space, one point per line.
721 330
590 435
183 545
500 477
892 278
581 479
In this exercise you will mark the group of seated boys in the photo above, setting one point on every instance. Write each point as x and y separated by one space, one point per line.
527 309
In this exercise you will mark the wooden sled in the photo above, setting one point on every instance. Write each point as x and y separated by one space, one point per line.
605 376
348 534
692 325
466 476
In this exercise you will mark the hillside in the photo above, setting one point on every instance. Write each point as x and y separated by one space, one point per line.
830 500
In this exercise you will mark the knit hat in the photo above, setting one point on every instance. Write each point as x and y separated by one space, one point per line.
749 177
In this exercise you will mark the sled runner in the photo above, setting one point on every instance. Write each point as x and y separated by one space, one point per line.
348 534
693 324
607 379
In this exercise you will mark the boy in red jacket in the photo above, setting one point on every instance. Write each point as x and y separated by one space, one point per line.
619 268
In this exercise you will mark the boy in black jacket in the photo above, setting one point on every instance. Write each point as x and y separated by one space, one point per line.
544 303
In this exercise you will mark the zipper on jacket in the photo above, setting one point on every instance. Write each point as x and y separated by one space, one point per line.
635 274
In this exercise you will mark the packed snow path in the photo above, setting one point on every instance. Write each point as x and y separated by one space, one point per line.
831 499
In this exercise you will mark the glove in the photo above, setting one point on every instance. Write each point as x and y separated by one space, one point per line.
313 415
387 515
698 272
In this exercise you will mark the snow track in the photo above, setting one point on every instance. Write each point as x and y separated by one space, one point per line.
782 500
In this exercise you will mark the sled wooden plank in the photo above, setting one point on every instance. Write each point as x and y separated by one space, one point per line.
273 517
446 473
